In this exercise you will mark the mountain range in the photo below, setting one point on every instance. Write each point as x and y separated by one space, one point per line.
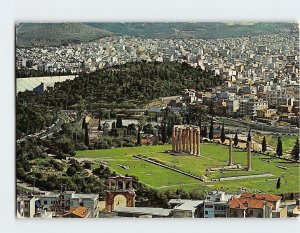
51 34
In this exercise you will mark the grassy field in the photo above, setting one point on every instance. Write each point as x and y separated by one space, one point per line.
212 155
288 142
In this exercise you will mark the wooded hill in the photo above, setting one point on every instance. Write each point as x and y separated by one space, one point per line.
123 86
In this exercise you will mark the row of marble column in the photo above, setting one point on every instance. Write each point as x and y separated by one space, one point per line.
186 139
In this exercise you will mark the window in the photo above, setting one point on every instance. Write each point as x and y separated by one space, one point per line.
206 212
251 212
26 205
45 202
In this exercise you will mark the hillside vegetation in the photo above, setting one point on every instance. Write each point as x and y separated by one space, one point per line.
51 34
124 86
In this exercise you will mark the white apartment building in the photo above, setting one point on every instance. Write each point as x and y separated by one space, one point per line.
68 199
26 207
215 204
277 98
254 105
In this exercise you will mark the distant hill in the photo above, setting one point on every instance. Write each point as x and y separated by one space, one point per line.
39 34
49 34
195 30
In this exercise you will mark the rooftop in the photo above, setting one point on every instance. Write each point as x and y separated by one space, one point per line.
189 205
266 197
79 211
244 203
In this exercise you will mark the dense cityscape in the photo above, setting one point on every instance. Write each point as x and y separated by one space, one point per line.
126 126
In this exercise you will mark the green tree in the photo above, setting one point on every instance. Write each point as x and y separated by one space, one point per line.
132 129
138 140
211 130
295 151
148 128
278 183
236 139
71 171
279 147
119 123
223 134
204 131
99 124
83 123
86 135
264 145
163 133
249 139
87 165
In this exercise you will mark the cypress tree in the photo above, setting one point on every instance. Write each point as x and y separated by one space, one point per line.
99 124
164 133
264 145
205 131
236 139
211 130
119 122
295 150
138 141
86 136
223 134
83 123
279 147
249 139
278 183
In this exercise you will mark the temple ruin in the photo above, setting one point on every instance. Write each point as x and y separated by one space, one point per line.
186 139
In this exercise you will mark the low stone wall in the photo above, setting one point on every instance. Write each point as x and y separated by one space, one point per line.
166 166
242 177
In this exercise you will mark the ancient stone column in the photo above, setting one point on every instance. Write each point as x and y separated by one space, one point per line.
173 139
198 141
191 141
183 140
176 140
187 141
180 141
194 141
249 161
230 152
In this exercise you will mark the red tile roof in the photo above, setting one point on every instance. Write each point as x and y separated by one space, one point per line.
79 211
265 197
244 203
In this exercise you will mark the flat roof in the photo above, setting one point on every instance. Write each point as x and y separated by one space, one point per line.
178 201
189 205
144 211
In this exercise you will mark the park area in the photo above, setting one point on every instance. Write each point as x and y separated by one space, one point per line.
213 155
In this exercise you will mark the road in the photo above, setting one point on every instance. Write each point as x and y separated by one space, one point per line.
48 132
236 125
